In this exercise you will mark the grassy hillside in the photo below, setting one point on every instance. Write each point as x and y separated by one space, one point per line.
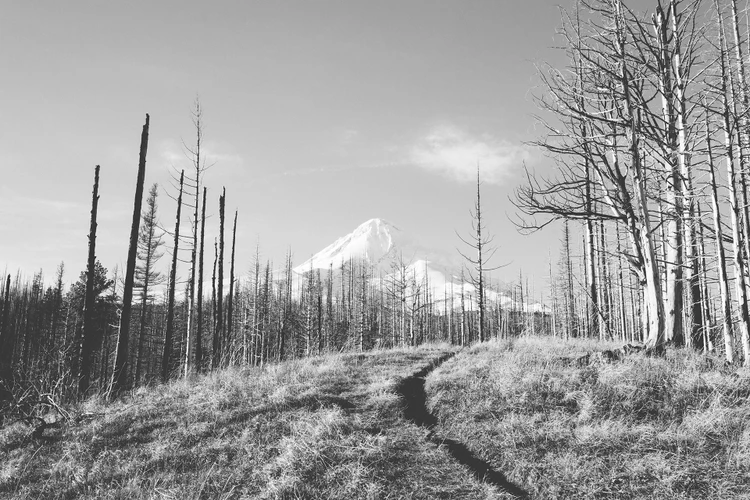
327 427
648 428
496 418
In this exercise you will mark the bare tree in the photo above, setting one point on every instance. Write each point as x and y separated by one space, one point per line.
199 328
230 298
219 344
726 306
120 372
199 167
609 63
169 332
481 243
86 340
740 264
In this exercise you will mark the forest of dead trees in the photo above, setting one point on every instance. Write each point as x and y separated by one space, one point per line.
269 316
117 330
648 125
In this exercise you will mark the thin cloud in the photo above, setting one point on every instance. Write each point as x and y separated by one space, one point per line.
213 153
348 136
11 201
454 153
334 168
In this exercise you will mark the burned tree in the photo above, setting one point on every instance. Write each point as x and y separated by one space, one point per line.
169 332
480 242
120 372
146 276
608 73
86 339
230 298
199 327
197 158
219 344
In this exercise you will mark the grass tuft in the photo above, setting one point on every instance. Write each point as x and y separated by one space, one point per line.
662 428
334 427
325 427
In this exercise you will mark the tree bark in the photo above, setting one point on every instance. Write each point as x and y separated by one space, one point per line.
87 337
168 334
199 326
651 285
120 373
219 347
736 210
230 299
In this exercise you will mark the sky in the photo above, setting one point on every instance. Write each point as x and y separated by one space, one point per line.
318 115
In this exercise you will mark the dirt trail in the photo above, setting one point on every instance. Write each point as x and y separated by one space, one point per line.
411 389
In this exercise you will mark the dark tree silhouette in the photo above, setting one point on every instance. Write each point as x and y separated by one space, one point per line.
230 298
120 372
146 276
199 329
87 334
481 244
169 332
219 326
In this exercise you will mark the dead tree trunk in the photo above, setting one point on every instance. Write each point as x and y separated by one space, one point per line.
219 326
707 340
726 305
168 334
230 299
743 130
199 328
736 209
148 243
674 229
87 340
120 372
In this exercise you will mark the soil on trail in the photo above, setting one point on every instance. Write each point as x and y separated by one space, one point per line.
411 389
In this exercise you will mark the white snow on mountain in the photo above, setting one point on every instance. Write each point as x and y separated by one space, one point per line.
396 257
374 241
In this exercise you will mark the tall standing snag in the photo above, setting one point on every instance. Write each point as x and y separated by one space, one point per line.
172 281
199 329
616 146
726 306
479 242
86 338
219 327
199 167
230 299
120 372
740 264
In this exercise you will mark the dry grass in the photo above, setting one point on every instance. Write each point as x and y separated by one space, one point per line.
332 427
327 427
654 428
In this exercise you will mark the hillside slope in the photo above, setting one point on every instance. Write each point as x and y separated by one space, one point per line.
641 428
326 427
492 421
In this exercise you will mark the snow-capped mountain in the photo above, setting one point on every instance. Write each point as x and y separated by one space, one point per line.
377 242
388 250
396 257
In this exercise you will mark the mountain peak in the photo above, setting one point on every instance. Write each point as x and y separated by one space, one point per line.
376 226
372 241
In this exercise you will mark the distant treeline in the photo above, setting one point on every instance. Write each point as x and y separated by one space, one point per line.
263 320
